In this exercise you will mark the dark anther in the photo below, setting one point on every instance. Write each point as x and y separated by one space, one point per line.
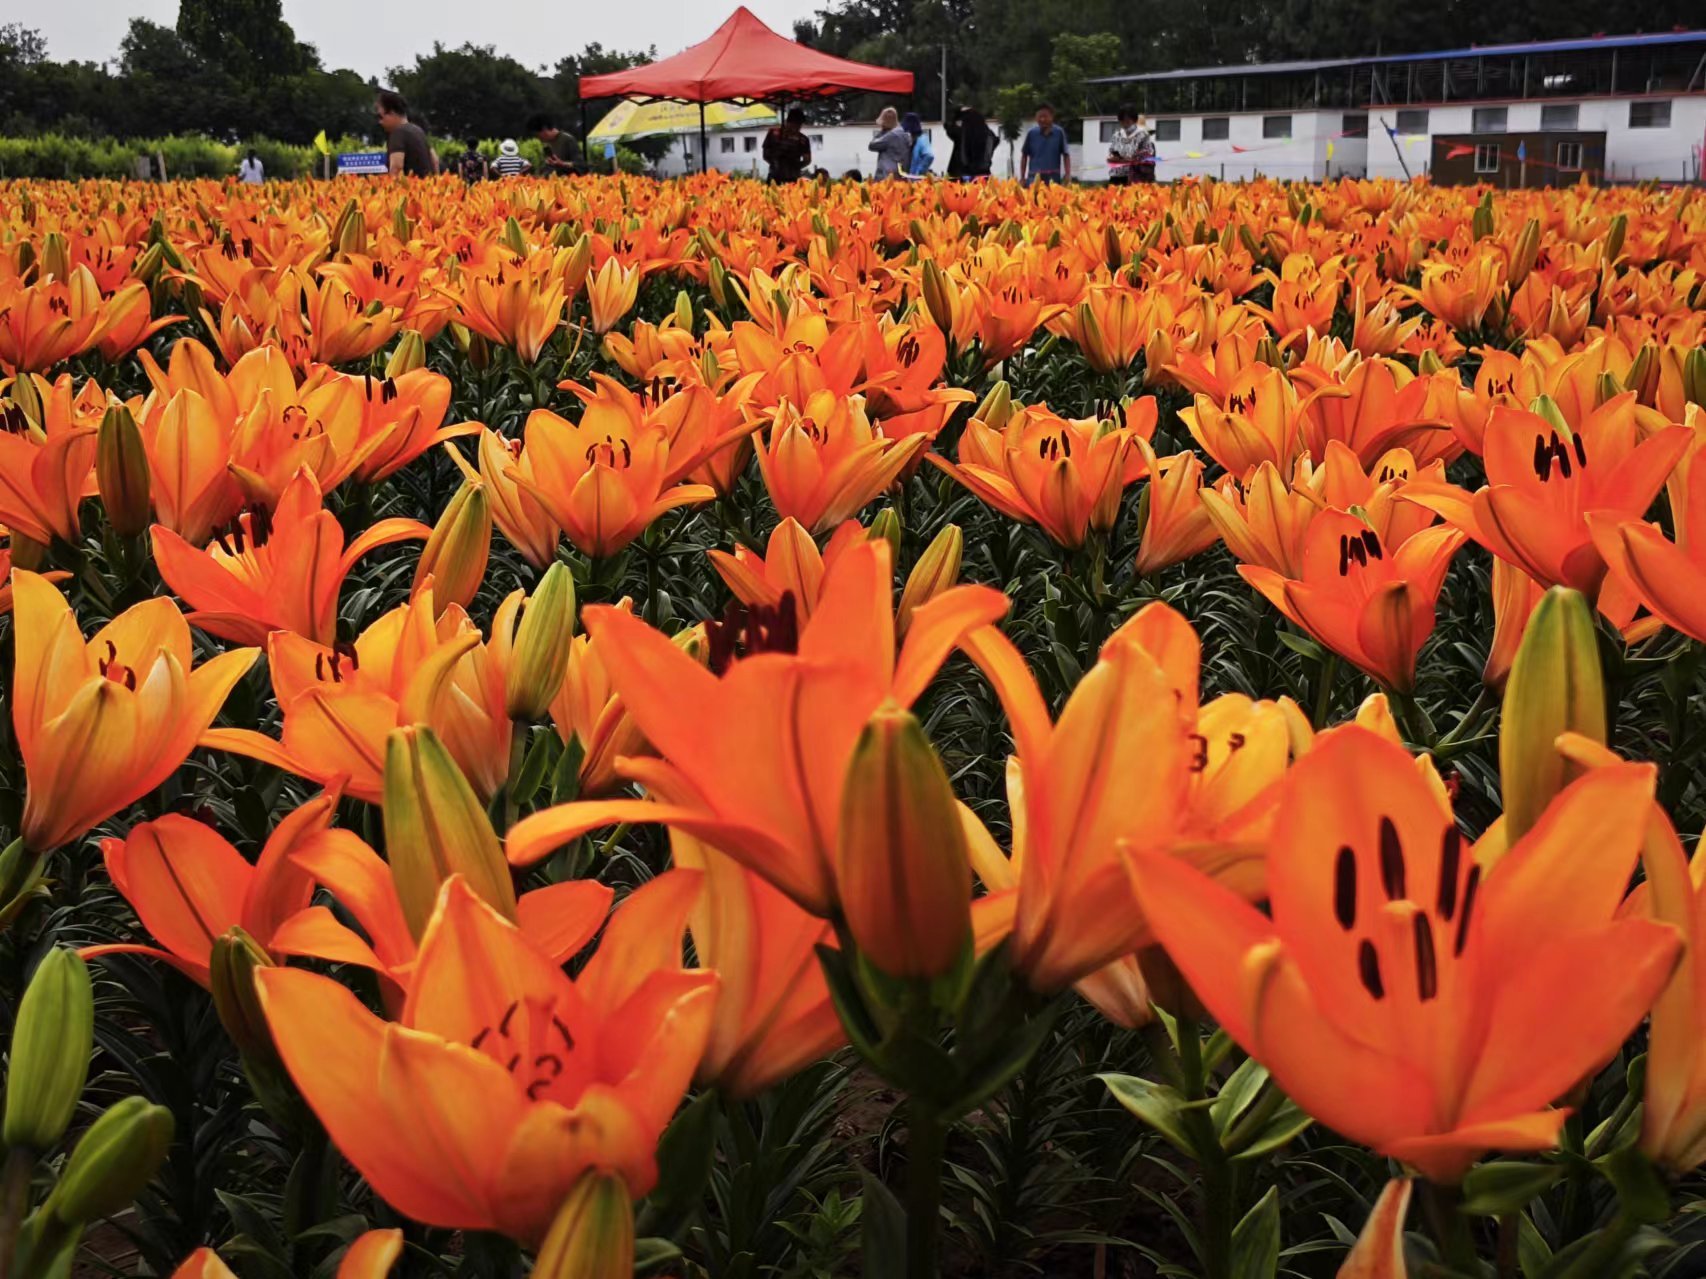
1542 458
503 1026
1581 452
1199 752
1368 968
1450 855
1427 970
1468 909
1371 540
1391 860
1345 888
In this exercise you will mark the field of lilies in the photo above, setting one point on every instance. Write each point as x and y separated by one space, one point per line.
702 729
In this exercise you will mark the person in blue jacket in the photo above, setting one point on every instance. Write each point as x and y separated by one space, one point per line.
922 157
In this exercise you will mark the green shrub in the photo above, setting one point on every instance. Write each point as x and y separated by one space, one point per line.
54 155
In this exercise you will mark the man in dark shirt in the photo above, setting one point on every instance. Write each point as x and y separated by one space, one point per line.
787 150
562 150
408 153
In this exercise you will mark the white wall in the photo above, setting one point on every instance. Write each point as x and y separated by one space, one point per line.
1303 155
1630 154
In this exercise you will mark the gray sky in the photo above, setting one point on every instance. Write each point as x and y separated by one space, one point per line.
371 35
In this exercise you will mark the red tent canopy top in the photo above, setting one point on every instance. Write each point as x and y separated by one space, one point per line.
745 61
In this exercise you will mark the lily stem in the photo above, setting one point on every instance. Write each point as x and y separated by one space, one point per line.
926 1141
1324 691
1219 1211
1450 1227
15 1178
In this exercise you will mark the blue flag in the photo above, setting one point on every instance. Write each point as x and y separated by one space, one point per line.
1522 151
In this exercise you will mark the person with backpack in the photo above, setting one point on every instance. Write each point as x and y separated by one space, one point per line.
974 145
471 165
922 155
787 150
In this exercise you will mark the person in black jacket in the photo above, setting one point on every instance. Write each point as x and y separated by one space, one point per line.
787 150
974 145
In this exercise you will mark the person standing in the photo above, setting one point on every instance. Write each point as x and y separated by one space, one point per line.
787 150
974 145
1128 147
563 153
250 171
1046 155
892 144
922 156
408 153
510 162
471 165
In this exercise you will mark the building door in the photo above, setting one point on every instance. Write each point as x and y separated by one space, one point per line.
1550 158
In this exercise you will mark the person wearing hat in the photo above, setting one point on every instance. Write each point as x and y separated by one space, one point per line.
510 162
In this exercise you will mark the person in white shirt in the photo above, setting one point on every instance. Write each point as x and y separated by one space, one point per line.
1131 151
510 162
250 171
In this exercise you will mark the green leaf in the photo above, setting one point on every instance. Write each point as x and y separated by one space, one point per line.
535 765
862 1031
1494 1189
652 1252
1240 1089
1641 1187
685 1153
1301 644
882 1230
1158 1105
1256 1239
1288 1123
566 780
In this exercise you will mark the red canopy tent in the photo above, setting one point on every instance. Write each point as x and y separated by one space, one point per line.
744 61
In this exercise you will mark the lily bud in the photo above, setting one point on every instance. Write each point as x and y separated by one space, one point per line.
1544 406
592 1236
578 266
1428 363
885 527
939 294
50 1052
436 827
683 311
121 472
937 569
55 256
541 653
147 265
512 237
24 393
350 236
1606 387
1113 248
1694 376
564 235
717 280
1526 253
401 226
20 867
1481 223
409 355
455 554
116 1158
1267 352
1643 374
997 407
231 976
901 866
1614 237
1555 686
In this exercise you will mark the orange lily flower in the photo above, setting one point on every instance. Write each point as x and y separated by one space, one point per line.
1379 405
1209 772
757 769
188 427
504 1082
611 294
1367 599
650 350
1665 574
1379 1250
774 1015
340 327
1112 326
127 321
101 723
371 1256
1515 595
1257 422
805 358
1543 483
277 572
521 307
507 473
45 323
188 885
903 369
1064 476
275 427
1461 296
605 478
403 419
1402 994
1175 525
45 466
823 461
791 567
1262 519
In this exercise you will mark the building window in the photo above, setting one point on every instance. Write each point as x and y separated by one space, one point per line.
1488 120
1355 124
1412 121
749 143
1216 128
1107 129
1166 130
1487 157
1569 155
1649 115
728 145
817 140
1562 116
1276 126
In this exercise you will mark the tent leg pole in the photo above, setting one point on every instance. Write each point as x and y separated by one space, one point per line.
704 145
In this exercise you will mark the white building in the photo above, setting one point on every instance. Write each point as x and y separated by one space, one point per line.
1612 109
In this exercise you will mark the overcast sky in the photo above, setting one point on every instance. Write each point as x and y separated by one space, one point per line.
371 35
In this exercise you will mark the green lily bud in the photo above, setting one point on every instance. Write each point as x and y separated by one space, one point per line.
1544 406
50 1052
513 238
20 867
1526 252
116 1158
409 355
541 653
350 235
1614 237
592 1235
231 975
885 527
456 551
683 311
401 226
1555 686
937 570
436 827
55 256
996 409
121 472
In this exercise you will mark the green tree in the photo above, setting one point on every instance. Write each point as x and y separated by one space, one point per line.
1076 61
249 38
473 91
